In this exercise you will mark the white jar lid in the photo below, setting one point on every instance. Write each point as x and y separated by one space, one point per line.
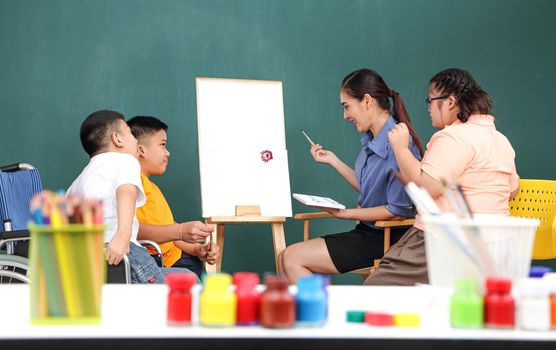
550 279
534 287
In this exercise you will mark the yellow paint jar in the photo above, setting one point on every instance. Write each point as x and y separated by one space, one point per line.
217 302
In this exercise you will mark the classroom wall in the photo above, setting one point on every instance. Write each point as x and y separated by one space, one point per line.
61 60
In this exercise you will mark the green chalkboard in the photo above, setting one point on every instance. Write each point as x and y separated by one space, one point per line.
61 60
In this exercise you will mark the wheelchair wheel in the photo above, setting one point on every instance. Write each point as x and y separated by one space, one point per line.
13 269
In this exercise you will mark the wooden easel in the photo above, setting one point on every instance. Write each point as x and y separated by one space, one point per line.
247 214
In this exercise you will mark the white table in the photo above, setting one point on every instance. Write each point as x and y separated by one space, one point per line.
134 316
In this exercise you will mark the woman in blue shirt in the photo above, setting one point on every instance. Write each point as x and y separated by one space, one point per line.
365 98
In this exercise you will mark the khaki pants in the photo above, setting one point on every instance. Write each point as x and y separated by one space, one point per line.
404 264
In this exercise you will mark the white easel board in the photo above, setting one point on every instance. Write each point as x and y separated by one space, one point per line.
242 146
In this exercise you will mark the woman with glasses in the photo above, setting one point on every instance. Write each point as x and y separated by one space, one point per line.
468 149
367 102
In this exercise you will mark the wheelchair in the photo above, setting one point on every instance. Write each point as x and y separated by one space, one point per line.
18 184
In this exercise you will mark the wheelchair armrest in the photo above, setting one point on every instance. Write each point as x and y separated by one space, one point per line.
149 243
15 167
12 236
17 234
120 273
158 256
127 266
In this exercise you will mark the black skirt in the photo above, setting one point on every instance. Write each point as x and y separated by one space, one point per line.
359 247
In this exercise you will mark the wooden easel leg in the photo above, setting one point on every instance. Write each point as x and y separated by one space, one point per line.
220 243
279 243
218 238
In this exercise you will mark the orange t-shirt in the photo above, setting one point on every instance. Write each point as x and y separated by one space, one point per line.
480 158
157 212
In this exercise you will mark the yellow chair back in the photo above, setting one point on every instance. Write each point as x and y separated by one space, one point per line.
537 199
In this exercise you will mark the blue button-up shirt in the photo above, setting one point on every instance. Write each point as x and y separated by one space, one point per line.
377 186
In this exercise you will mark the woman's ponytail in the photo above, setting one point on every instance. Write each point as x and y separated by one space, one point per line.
401 115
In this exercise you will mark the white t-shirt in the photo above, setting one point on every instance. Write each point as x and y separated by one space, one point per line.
100 179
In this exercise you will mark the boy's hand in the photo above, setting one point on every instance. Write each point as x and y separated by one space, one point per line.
117 249
195 232
209 257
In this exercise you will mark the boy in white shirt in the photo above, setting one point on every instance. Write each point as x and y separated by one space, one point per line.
114 175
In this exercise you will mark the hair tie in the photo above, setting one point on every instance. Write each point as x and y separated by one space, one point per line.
393 93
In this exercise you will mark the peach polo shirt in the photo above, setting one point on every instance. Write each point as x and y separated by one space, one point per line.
480 158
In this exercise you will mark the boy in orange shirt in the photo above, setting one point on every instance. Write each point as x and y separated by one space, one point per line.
155 217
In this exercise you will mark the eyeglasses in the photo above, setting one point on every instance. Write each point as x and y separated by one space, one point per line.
428 100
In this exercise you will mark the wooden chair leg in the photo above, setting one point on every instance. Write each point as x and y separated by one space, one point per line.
386 247
386 239
306 229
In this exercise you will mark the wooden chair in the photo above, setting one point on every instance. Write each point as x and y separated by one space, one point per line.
537 199
387 225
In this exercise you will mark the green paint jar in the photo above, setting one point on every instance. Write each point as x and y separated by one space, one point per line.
466 305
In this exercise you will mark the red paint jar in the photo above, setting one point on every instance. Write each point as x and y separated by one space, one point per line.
499 303
179 297
277 304
248 299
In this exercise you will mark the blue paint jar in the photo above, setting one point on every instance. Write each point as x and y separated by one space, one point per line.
325 284
539 271
311 301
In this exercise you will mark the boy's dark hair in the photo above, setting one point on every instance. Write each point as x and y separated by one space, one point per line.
97 128
142 126
470 97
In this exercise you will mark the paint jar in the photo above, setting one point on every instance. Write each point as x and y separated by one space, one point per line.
499 303
326 280
248 298
277 304
550 279
553 308
535 305
217 302
539 271
179 298
466 305
311 300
